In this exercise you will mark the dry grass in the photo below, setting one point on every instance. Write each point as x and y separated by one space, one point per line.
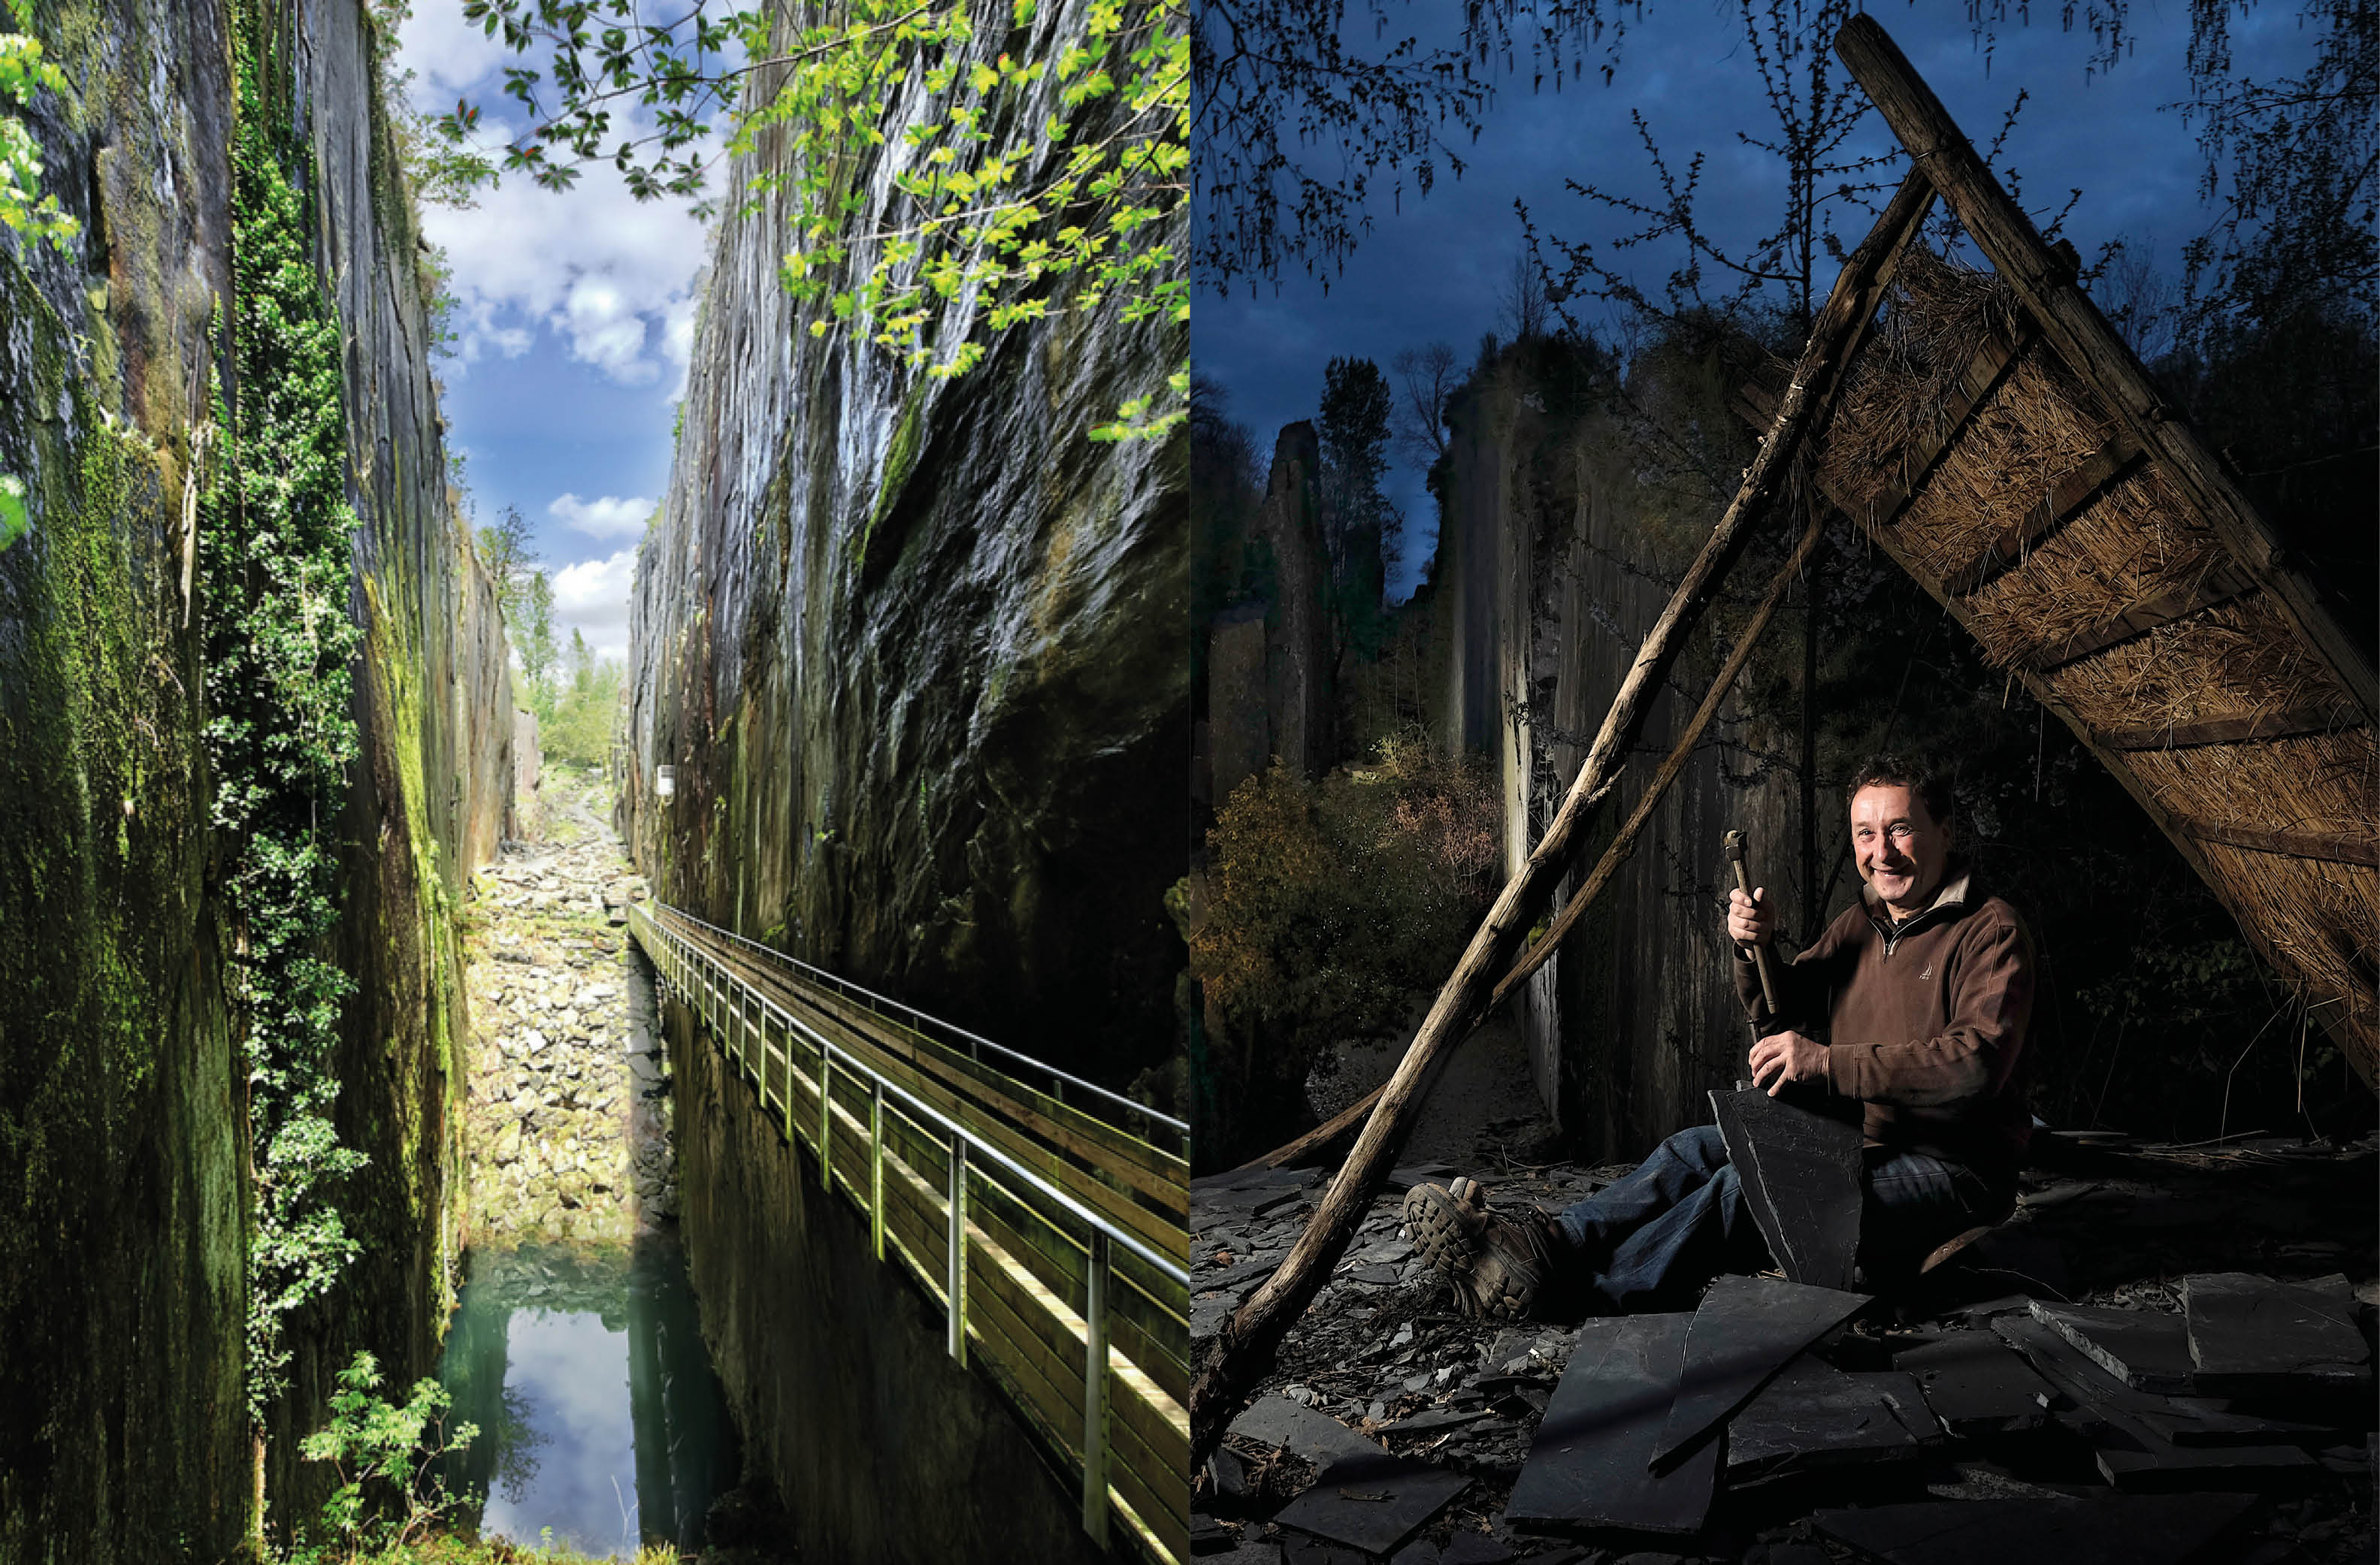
2319 784
2237 660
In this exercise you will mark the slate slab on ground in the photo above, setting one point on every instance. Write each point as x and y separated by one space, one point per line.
1589 1465
1742 1332
1801 1183
2176 1530
2131 1454
2250 1334
1978 1384
1316 1437
2146 1350
1372 1502
1813 1414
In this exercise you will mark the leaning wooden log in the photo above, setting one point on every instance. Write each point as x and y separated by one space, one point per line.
1243 1352
1319 1140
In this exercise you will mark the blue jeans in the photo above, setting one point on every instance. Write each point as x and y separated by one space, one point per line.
1652 1240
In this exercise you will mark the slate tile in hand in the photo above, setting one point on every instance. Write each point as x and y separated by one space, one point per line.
1801 1183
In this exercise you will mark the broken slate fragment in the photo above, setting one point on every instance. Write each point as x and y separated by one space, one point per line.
1372 1502
1801 1183
1742 1333
2208 1420
1813 1414
2133 1455
2195 1469
1977 1384
2144 1349
2251 1335
2119 1530
1316 1437
1589 1463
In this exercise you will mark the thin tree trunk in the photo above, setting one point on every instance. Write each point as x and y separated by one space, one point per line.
1244 1351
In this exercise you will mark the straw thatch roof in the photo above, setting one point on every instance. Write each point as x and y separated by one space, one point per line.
1999 441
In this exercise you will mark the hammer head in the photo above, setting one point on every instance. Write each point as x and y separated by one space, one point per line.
1733 844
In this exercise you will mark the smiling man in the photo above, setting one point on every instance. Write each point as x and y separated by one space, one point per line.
1925 988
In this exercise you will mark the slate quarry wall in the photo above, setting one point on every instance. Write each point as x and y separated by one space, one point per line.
917 652
1554 562
123 1138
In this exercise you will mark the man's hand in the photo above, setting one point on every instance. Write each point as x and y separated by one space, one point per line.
1786 1056
1750 919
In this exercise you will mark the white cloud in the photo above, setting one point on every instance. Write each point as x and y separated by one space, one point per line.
605 332
591 597
611 276
607 517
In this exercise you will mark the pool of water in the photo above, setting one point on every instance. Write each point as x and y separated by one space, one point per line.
599 1416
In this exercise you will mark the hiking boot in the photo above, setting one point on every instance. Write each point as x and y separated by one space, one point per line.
1501 1268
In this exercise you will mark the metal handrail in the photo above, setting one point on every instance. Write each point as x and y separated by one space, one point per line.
975 1040
964 1148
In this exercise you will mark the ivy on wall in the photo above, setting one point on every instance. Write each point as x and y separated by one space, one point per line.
275 563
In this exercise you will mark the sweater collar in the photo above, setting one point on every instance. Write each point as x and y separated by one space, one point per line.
1957 879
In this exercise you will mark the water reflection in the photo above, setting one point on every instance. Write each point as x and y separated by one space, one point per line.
599 1416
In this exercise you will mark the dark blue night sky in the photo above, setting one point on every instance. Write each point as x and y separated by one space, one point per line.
1434 270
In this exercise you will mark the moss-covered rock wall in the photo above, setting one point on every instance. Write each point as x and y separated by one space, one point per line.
123 1092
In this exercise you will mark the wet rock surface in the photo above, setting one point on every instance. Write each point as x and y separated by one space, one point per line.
913 647
1997 1421
567 1121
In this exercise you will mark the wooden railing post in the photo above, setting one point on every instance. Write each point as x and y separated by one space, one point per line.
956 1292
826 1115
1095 1393
875 1165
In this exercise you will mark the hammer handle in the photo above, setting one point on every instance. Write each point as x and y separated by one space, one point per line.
1760 956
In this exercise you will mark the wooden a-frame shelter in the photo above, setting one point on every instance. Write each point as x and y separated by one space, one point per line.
2000 442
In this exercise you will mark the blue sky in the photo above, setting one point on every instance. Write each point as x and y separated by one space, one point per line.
1434 270
576 316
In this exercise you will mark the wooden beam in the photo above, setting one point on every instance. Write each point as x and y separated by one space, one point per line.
1244 1351
2218 586
2326 718
2066 499
1983 375
2296 844
2090 347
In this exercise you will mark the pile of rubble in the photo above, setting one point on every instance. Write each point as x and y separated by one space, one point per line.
552 1080
2165 1356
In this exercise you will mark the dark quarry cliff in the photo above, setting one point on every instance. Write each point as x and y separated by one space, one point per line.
1555 557
124 1169
915 649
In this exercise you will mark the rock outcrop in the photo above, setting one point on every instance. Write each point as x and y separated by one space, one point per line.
124 1175
918 652
1554 560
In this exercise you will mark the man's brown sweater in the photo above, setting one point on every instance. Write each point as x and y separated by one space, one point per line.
1926 1022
